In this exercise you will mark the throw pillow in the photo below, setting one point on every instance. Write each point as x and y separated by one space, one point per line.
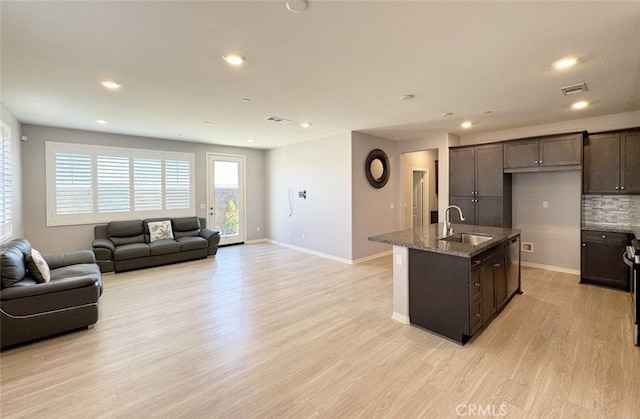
159 230
38 266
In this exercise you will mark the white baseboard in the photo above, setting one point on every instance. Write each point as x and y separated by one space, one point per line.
550 268
376 256
326 256
400 318
254 241
313 252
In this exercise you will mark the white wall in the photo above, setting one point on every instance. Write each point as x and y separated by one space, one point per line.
16 147
322 222
52 240
372 211
555 230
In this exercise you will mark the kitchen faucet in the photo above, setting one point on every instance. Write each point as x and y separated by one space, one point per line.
447 230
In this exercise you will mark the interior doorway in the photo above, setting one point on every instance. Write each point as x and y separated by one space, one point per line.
418 183
420 198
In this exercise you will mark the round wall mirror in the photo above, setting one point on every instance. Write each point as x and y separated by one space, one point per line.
377 168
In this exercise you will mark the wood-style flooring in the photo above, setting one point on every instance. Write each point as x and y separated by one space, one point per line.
264 331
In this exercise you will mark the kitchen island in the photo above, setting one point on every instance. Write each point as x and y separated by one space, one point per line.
453 285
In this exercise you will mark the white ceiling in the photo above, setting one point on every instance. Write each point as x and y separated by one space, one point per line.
340 65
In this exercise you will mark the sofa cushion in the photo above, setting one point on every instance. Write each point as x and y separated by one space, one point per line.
160 230
192 243
38 267
164 246
185 224
131 251
119 241
125 228
12 266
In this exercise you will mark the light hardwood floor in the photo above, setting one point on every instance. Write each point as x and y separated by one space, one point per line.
263 331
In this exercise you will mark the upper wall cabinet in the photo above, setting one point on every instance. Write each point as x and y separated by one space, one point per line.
558 152
478 186
612 163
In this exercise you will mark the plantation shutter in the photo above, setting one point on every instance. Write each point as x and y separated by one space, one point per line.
6 197
73 180
177 182
113 184
147 180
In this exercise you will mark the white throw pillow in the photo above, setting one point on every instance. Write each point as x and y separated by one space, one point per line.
159 230
38 267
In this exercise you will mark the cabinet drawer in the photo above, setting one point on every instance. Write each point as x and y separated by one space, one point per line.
475 316
605 236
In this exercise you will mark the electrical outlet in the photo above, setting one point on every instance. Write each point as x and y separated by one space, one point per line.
527 247
258 229
545 204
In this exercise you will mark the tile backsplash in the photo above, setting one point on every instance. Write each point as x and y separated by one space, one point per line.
615 210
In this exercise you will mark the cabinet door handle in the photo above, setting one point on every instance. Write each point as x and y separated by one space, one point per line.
616 188
540 162
497 265
477 284
535 162
604 236
584 245
478 315
622 188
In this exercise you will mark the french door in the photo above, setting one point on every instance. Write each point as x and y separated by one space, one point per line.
225 197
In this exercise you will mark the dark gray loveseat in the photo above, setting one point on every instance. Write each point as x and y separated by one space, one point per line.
126 245
32 308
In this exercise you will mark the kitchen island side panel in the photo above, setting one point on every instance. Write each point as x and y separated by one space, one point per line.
439 293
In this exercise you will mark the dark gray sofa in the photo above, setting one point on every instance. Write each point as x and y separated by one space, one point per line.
126 245
30 309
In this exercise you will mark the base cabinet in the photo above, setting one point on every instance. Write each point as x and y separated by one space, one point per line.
601 259
454 296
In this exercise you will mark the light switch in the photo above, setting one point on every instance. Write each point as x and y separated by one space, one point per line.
398 259
392 206
545 204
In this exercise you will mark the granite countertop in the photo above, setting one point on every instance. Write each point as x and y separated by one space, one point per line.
612 228
428 239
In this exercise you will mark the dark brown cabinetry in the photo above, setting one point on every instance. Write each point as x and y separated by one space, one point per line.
601 259
478 185
558 152
611 163
454 296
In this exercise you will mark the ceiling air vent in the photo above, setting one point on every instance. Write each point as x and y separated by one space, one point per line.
573 90
278 120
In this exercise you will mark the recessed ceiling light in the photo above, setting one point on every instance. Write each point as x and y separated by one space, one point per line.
466 124
406 97
580 105
208 123
110 84
234 59
101 121
297 6
305 124
565 63
487 112
251 140
446 114
245 100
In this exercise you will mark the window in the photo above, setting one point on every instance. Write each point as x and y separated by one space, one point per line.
89 184
6 190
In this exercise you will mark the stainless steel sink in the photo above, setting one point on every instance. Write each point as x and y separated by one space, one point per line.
468 238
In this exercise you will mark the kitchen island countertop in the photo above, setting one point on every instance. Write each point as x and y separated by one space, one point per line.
429 239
